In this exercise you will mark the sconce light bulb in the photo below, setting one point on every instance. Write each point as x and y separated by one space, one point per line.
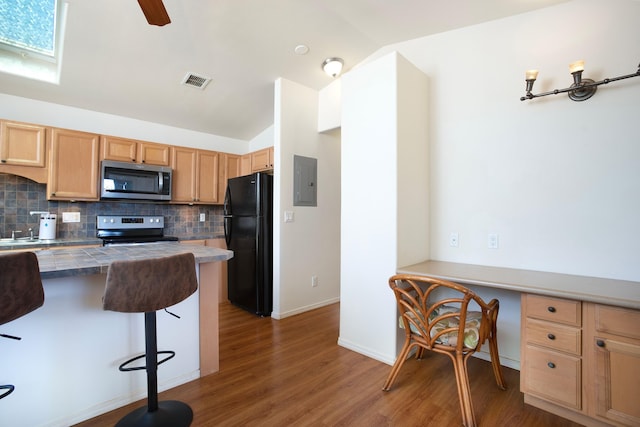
531 75
576 67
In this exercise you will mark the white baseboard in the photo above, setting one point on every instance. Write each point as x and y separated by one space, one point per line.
281 315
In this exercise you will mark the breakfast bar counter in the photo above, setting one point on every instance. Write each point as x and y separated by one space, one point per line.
66 364
83 261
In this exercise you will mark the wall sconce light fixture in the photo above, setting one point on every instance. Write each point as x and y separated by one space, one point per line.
580 90
332 66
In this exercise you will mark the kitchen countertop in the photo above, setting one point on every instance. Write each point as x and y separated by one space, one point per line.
85 261
620 293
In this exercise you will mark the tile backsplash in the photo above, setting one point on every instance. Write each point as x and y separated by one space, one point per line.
19 196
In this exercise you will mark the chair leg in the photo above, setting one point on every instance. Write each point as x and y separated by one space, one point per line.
397 365
495 362
464 391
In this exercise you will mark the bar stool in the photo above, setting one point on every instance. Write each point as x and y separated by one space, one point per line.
145 286
21 292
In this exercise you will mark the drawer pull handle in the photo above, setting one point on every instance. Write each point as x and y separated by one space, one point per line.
600 343
551 336
551 365
551 309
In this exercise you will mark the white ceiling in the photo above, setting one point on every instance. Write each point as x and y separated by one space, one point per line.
114 62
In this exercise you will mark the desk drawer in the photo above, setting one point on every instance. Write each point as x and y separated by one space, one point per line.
617 321
553 376
554 336
559 310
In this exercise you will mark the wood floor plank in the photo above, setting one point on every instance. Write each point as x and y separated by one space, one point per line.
291 372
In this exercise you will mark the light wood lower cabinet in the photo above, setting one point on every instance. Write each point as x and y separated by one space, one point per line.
612 347
581 360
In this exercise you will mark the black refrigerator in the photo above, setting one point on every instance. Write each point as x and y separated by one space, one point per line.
248 230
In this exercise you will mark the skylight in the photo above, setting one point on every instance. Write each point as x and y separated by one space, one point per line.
30 38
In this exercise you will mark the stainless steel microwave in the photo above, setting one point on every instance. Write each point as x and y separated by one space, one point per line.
120 180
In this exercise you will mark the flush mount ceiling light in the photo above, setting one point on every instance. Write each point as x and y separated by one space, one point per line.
580 90
333 66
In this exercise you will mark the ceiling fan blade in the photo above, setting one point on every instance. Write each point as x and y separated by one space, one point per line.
155 12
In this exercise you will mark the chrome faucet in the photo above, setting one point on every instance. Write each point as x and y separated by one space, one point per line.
13 234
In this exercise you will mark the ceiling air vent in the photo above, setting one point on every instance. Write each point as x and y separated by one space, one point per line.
195 80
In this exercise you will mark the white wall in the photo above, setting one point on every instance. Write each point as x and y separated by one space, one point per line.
385 188
57 115
310 245
558 180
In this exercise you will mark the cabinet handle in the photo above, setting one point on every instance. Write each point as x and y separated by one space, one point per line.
3 161
551 336
551 309
600 343
551 365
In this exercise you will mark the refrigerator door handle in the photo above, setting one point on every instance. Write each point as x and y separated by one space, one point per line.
227 230
226 207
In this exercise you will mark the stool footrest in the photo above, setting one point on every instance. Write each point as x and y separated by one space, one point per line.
123 367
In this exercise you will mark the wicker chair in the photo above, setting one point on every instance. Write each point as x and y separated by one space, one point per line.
145 286
437 324
21 292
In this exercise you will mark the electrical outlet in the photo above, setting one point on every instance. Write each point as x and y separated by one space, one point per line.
70 216
314 281
492 241
453 240
203 217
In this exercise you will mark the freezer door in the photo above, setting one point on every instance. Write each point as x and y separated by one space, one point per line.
241 198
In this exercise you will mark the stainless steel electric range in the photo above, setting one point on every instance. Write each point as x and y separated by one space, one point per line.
134 229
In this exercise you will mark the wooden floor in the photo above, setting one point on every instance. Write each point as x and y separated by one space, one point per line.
291 372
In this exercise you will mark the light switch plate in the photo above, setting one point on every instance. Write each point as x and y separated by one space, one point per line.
203 217
288 216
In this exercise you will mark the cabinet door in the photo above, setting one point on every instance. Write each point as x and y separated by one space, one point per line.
183 163
245 165
22 144
118 149
207 183
229 168
73 171
154 154
262 160
615 348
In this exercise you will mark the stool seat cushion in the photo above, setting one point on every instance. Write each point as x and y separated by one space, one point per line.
21 289
142 286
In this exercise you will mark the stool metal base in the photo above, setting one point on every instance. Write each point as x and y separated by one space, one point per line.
170 413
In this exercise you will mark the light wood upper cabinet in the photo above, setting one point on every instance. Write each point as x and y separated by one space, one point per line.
262 160
129 150
195 176
183 163
207 184
74 165
245 165
23 150
22 144
229 168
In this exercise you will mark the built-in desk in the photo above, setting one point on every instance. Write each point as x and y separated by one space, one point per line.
579 337
66 365
620 293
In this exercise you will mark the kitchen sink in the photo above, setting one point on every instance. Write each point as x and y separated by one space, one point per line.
23 241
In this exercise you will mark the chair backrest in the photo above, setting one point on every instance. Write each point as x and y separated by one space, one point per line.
21 289
437 312
148 285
